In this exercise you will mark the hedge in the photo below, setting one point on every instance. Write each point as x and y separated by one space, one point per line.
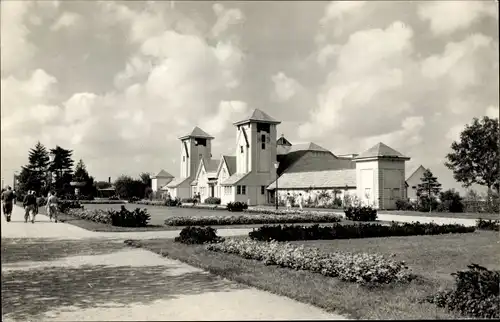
364 213
285 211
360 268
488 224
165 203
123 217
250 219
236 206
198 235
476 293
338 231
212 201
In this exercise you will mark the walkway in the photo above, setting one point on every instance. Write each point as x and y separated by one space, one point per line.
95 279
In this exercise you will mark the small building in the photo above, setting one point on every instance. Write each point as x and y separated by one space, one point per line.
159 180
412 182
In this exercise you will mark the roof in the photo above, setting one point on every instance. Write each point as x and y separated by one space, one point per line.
380 150
177 182
211 165
413 172
197 133
310 146
283 141
234 179
162 174
316 179
258 116
231 163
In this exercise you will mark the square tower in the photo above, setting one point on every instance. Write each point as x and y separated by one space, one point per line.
195 146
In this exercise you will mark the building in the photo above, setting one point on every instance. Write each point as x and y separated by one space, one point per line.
376 176
412 182
160 180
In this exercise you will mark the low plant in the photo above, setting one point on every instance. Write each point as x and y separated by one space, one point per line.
133 199
189 200
360 213
65 205
123 217
360 268
236 206
172 202
198 235
405 205
488 224
476 293
285 211
212 201
114 198
338 231
250 219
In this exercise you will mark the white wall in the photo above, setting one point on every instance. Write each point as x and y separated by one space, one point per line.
157 183
367 177
226 198
414 181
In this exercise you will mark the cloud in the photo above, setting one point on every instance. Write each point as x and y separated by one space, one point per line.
67 19
225 19
446 17
284 87
338 9
228 113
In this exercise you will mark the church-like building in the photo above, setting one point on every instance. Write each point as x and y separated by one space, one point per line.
376 176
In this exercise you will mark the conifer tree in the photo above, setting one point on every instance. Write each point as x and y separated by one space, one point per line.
428 188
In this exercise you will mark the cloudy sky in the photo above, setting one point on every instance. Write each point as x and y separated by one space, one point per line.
119 82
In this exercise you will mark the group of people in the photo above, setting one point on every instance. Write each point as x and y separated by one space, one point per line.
290 199
30 204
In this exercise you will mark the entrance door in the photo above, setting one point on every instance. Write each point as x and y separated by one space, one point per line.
212 191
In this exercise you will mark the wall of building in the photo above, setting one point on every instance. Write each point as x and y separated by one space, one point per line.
227 197
413 182
391 183
157 183
191 161
367 175
313 193
242 150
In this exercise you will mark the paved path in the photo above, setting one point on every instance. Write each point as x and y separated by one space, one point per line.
91 279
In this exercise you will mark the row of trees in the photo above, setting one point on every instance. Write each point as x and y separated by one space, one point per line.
130 188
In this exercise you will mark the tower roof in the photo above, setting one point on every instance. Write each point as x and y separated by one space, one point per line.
380 150
258 116
162 174
197 133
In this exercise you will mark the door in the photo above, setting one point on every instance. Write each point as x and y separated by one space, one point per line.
212 191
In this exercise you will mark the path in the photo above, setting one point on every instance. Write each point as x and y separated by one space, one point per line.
91 279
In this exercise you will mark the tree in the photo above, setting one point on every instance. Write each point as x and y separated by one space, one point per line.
145 178
124 186
474 159
81 175
34 176
62 168
451 201
428 189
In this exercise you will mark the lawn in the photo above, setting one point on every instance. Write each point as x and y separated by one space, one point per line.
432 257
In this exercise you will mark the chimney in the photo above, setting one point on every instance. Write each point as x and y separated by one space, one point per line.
109 179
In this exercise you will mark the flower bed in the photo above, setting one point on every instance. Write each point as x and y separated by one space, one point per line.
476 293
338 231
198 235
123 217
360 268
250 219
98 202
165 203
488 224
285 211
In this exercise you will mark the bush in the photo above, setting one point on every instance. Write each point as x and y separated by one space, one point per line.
424 204
451 201
360 268
250 219
488 224
358 213
198 235
189 200
338 231
212 201
172 202
476 293
123 217
284 211
65 205
237 206
41 201
167 202
405 205
133 199
114 198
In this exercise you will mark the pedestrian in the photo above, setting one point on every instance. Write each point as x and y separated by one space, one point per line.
47 211
52 206
29 204
288 201
15 196
301 201
8 197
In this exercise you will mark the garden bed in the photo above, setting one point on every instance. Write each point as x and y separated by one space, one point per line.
432 257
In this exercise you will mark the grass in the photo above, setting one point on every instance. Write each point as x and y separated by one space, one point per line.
432 257
461 215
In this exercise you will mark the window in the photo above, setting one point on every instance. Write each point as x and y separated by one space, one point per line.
238 190
183 158
243 190
241 148
263 140
414 187
262 190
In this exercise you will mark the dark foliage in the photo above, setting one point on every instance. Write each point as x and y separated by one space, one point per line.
236 206
403 204
338 231
213 201
250 219
476 293
189 200
173 202
450 202
357 213
488 224
198 235
123 217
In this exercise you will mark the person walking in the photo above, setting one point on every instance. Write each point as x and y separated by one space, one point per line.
288 201
8 198
52 206
300 200
29 204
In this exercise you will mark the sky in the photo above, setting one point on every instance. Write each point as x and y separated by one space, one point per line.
119 82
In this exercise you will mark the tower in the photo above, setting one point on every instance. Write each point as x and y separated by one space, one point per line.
194 147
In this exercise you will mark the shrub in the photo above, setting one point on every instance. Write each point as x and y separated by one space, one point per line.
476 293
236 206
123 217
65 205
114 198
212 201
338 231
358 213
198 235
403 204
133 199
451 201
284 211
250 219
189 200
361 268
488 224
172 202
41 201
424 204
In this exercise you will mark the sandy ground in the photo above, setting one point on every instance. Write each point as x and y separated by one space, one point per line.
121 284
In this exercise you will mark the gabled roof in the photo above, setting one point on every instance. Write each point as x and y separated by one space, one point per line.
177 182
211 165
316 179
283 141
162 174
258 116
380 150
310 146
414 172
231 163
197 133
234 179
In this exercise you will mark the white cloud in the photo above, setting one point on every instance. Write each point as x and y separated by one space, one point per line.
453 133
67 19
227 113
284 87
225 18
446 17
338 9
